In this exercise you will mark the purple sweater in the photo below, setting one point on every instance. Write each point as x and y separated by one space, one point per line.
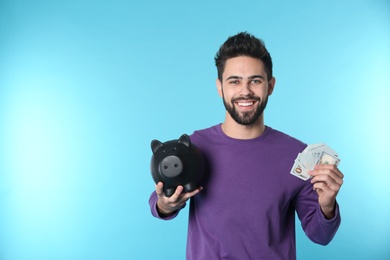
247 207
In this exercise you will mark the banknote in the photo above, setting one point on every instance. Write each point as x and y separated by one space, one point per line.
313 154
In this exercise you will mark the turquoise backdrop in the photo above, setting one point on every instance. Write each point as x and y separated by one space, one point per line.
86 85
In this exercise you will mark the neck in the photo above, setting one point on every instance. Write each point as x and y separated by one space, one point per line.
232 129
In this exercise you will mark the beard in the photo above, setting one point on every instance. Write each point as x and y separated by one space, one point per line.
245 118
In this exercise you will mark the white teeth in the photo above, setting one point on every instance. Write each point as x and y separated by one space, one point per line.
245 104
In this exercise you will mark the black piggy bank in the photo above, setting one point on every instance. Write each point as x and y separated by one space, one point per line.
176 162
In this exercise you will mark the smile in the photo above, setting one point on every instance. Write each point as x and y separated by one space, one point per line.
245 104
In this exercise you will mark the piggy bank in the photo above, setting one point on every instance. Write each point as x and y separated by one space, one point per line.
176 162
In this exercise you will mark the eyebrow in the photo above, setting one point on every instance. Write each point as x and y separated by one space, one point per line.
250 77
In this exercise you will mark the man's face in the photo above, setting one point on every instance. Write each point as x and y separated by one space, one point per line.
245 89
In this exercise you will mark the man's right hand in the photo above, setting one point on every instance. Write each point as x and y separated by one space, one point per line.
167 206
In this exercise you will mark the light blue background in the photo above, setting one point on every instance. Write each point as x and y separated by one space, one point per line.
86 85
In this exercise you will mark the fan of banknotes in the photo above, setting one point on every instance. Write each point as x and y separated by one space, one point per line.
312 155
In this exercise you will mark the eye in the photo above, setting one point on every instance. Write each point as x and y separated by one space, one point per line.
234 82
255 82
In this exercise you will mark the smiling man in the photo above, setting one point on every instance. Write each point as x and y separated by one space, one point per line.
245 89
246 205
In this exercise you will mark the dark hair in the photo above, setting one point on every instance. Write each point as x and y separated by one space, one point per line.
243 44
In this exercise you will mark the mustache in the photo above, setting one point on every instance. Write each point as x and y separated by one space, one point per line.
244 98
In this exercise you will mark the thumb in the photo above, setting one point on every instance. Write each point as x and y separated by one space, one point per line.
159 188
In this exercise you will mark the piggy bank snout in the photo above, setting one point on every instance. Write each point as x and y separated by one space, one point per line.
171 166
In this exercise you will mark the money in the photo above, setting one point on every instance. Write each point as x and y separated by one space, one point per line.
312 155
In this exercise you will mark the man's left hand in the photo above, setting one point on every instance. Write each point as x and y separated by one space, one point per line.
327 180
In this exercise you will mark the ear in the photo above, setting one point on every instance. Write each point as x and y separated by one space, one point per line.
155 144
185 139
218 83
271 86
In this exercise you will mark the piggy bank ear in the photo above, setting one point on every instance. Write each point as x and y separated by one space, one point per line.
155 144
185 139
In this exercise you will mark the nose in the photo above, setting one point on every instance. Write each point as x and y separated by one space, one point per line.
246 89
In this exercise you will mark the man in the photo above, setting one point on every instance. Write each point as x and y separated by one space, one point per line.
245 207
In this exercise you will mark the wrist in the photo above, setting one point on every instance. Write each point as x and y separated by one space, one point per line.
163 213
328 212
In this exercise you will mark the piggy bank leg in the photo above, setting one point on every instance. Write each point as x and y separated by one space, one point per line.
190 187
169 192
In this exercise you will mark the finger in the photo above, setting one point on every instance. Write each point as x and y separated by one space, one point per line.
328 170
159 188
176 195
334 184
321 187
188 195
326 175
331 167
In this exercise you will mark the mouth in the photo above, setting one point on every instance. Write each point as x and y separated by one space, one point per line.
245 104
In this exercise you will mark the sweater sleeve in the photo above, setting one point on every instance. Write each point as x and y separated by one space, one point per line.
153 208
316 227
